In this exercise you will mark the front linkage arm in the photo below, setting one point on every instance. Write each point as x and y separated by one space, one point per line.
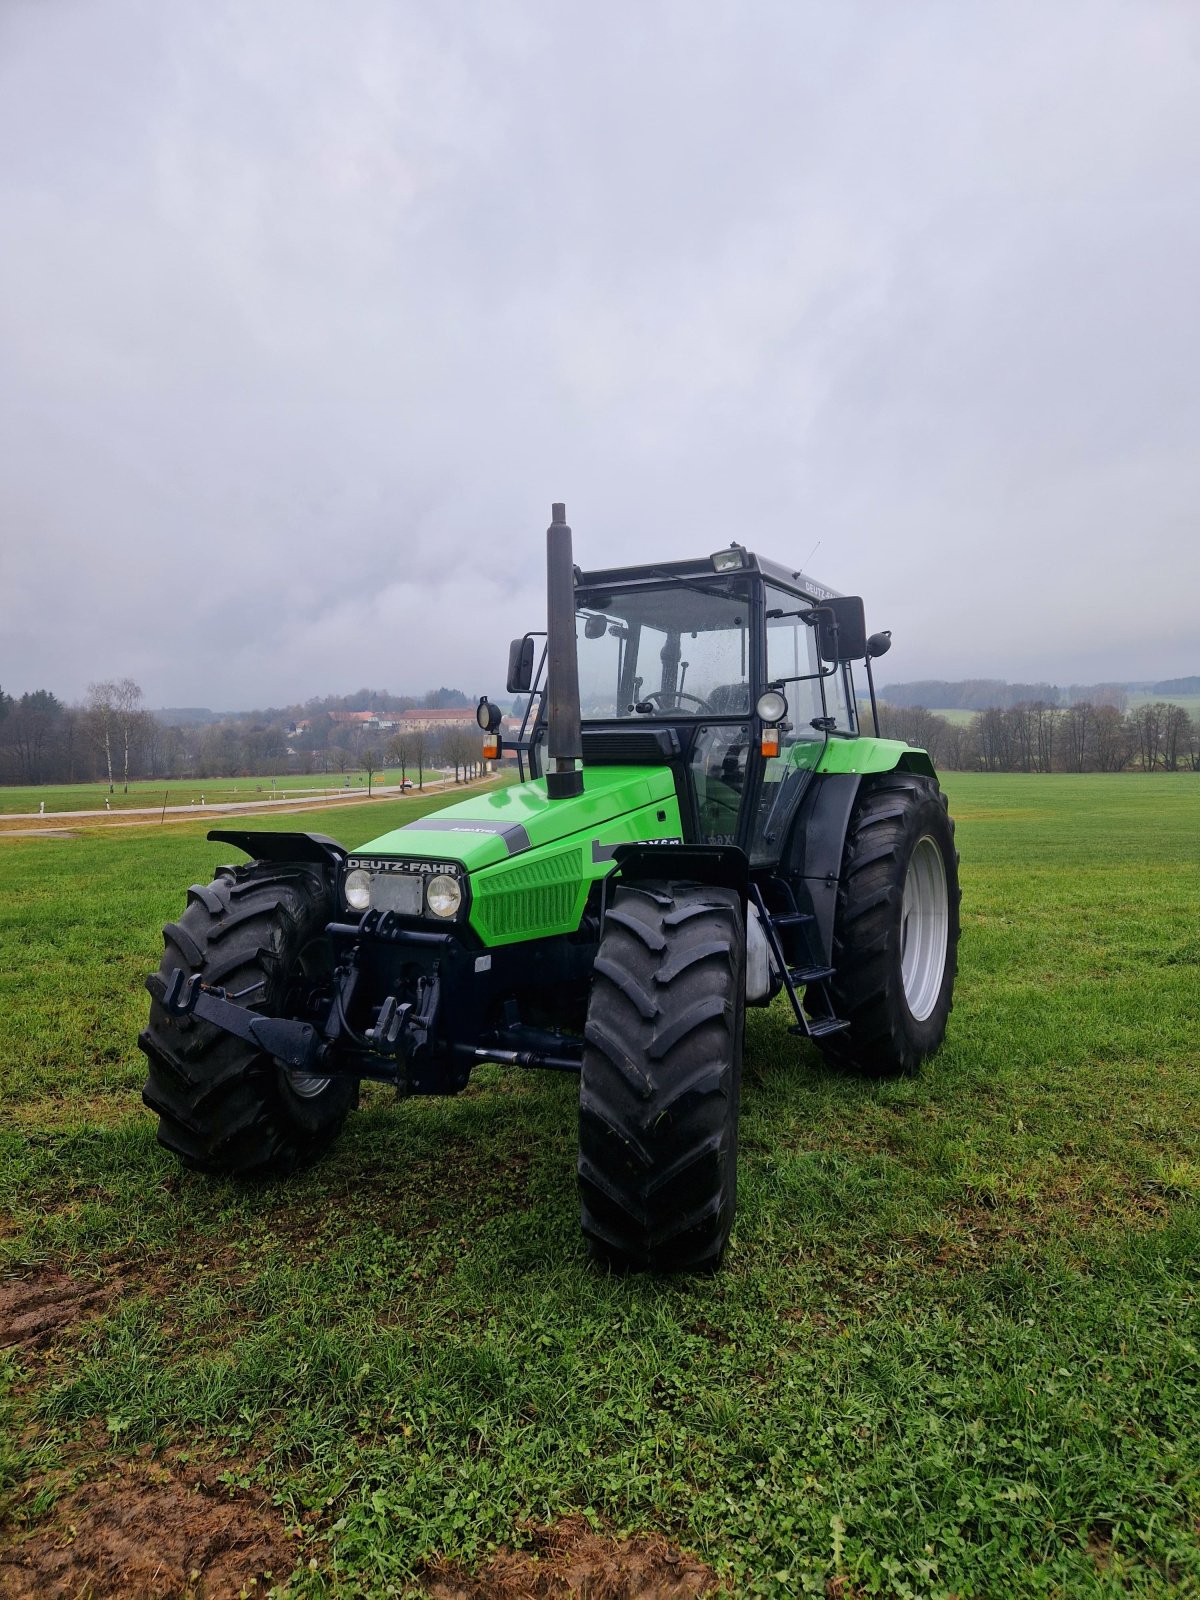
402 1029
295 1044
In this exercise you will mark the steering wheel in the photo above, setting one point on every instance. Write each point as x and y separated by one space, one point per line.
677 695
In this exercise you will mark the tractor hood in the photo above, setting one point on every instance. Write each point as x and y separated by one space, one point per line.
489 828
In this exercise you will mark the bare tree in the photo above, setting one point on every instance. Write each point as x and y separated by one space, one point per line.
1176 730
1044 722
102 721
1077 724
418 753
127 702
1114 739
400 750
370 763
1149 724
459 747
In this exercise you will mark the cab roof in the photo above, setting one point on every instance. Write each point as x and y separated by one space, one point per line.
702 567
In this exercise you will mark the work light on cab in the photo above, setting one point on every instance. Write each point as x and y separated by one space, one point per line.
487 715
731 560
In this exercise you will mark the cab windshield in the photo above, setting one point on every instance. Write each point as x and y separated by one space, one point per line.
673 650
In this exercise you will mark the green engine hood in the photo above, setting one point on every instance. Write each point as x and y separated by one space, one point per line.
489 828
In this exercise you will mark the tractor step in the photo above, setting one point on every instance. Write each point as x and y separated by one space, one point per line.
788 919
810 974
818 1027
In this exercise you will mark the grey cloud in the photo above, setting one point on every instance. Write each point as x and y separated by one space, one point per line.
308 312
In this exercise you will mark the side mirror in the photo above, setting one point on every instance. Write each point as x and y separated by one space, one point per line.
520 665
879 644
849 643
595 627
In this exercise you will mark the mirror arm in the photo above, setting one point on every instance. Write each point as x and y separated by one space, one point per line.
871 686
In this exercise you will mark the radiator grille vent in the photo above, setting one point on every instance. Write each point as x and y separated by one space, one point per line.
530 897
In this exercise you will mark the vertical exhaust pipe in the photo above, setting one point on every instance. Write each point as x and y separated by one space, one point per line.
564 745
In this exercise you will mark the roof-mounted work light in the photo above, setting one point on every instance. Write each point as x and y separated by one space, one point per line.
731 560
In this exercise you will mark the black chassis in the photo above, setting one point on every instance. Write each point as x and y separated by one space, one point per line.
419 1008
411 1005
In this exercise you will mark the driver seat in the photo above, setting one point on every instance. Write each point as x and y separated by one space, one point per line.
730 700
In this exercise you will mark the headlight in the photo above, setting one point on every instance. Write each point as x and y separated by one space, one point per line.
443 895
772 706
357 889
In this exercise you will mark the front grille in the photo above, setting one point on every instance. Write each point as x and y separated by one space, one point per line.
531 897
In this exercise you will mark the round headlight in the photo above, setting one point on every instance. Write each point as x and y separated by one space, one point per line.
357 889
443 895
772 706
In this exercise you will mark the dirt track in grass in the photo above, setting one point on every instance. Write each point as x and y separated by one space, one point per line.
150 1533
571 1559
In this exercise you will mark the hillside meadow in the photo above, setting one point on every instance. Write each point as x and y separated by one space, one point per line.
955 1348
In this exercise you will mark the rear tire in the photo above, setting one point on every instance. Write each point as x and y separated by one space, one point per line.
223 1105
661 1077
895 942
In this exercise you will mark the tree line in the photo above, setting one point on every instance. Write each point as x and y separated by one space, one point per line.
990 694
112 738
1035 736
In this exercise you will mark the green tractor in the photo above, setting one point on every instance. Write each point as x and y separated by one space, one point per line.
700 825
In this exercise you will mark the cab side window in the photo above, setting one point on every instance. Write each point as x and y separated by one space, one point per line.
791 652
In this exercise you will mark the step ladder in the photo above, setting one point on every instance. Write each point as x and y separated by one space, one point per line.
812 979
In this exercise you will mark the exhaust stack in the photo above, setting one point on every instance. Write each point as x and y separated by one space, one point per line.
564 745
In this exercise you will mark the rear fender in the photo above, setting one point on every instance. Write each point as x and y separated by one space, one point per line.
813 861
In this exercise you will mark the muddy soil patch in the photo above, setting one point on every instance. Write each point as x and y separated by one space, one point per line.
571 1560
150 1535
36 1310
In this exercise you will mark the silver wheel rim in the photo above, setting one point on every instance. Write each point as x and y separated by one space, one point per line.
924 928
307 1085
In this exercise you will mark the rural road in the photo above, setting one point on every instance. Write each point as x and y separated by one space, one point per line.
134 816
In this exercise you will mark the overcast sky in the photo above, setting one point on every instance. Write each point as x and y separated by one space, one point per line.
308 310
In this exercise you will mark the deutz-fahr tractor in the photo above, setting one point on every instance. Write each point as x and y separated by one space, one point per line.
700 825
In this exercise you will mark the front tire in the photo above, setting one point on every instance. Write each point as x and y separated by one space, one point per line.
223 1105
896 930
661 1078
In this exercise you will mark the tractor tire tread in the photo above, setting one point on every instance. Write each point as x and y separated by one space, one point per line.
224 1105
659 1088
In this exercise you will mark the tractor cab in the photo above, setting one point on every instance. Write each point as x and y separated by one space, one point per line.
732 670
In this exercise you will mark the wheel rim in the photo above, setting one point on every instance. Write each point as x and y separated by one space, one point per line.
924 928
307 1085
315 966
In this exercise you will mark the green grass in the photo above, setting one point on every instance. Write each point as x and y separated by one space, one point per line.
1189 702
323 787
955 1348
958 718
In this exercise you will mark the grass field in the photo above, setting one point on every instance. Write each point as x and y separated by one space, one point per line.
955 1348
324 788
1189 702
